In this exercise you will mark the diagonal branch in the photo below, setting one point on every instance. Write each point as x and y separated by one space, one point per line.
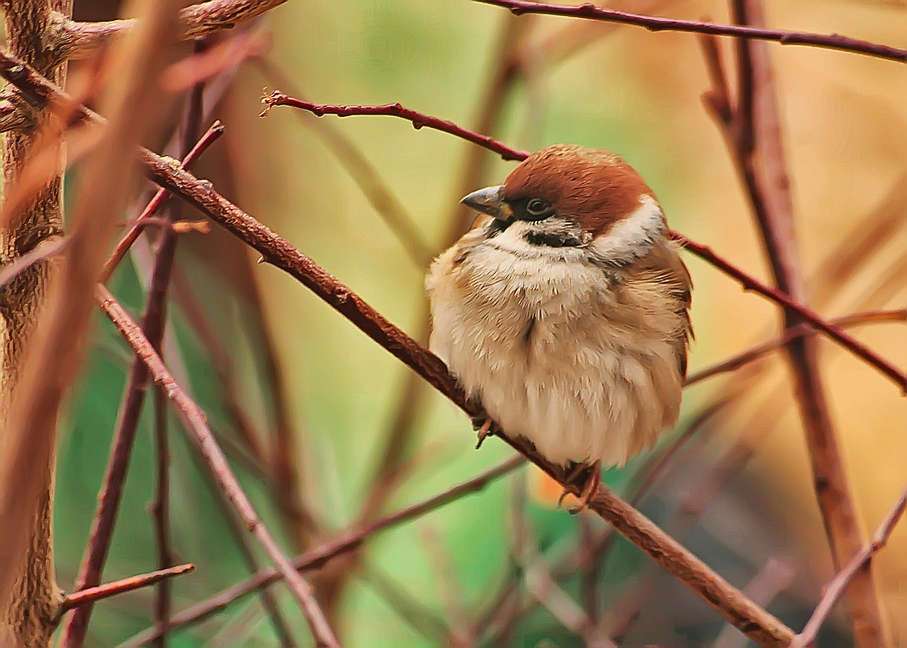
655 24
92 595
195 421
800 330
838 584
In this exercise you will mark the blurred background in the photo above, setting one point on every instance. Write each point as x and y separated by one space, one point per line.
326 429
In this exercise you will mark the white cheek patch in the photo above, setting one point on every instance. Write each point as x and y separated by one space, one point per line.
632 237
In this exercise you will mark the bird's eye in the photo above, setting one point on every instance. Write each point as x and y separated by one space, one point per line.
536 207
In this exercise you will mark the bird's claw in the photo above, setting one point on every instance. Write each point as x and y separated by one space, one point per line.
588 485
484 429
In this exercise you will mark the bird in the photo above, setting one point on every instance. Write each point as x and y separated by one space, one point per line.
564 312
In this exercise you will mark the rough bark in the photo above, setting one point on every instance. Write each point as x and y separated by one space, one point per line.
32 603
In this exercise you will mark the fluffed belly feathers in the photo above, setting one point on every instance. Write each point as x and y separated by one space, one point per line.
554 354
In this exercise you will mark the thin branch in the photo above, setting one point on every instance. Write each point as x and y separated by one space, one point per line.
160 510
157 201
391 210
773 579
195 421
808 315
74 40
704 252
92 595
800 330
838 584
417 119
247 552
154 328
655 24
315 558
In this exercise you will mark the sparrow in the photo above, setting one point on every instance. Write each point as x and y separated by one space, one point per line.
564 312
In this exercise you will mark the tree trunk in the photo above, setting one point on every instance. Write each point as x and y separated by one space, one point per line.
27 618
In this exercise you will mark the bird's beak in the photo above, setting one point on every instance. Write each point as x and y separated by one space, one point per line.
488 201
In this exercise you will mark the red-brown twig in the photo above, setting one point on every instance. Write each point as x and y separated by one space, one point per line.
702 251
391 210
654 23
160 197
160 510
838 584
195 421
92 595
773 294
417 119
315 558
761 350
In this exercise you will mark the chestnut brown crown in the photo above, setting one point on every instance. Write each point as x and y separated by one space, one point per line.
593 187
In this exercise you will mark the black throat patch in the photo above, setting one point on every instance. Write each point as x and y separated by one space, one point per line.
552 239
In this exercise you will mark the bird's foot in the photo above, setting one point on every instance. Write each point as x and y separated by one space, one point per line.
585 477
484 428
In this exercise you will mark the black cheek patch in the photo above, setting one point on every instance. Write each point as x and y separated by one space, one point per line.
550 239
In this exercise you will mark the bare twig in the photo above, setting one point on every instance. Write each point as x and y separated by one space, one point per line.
73 40
91 595
44 250
774 577
838 584
800 330
374 188
194 420
315 558
653 23
160 510
417 119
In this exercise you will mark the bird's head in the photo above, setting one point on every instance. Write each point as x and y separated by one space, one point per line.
571 196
